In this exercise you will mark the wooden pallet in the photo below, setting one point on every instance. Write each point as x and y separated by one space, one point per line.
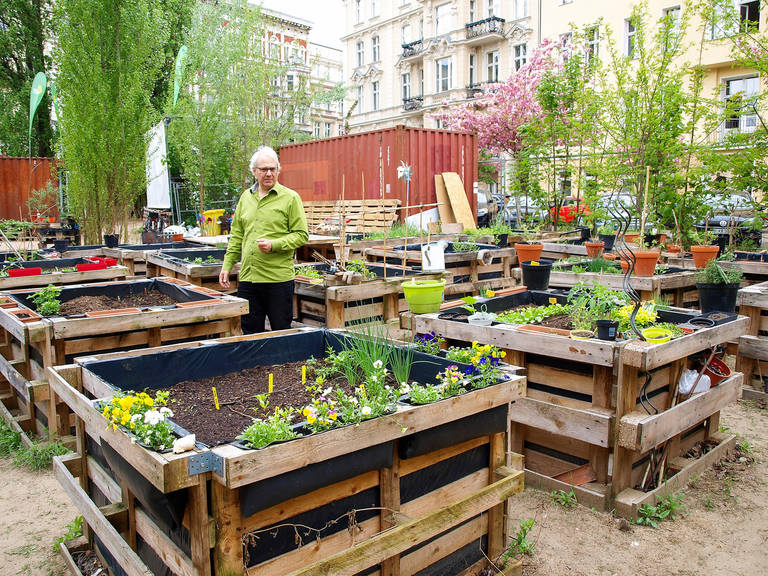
64 278
406 536
582 402
361 216
28 348
752 356
134 257
166 263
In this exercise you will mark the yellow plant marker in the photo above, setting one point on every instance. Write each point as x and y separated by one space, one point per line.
271 382
304 375
553 300
215 397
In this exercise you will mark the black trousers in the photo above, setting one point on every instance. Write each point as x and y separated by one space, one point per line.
272 299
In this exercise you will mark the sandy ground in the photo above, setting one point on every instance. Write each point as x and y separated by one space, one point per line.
723 531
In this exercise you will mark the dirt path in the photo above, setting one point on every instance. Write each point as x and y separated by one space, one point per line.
723 531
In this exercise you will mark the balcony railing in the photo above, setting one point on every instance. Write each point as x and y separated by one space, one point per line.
473 89
413 103
492 25
413 48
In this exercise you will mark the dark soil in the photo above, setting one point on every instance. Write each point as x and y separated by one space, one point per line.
561 321
87 562
83 304
193 406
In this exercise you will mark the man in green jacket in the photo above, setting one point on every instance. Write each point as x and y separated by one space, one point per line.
267 227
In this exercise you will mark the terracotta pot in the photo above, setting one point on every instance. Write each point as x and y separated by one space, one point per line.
177 237
624 265
673 248
609 256
594 249
645 262
703 254
528 252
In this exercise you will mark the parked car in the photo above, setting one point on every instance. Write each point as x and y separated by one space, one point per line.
731 215
530 213
486 208
570 210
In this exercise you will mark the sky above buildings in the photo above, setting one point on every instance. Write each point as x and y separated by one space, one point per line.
327 17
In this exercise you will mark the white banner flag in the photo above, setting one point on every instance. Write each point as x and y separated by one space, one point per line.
158 180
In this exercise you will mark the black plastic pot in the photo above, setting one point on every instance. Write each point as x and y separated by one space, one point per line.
586 233
60 245
502 240
111 240
609 240
717 297
607 329
536 277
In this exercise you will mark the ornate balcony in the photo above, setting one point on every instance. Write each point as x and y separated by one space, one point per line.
473 89
412 49
486 30
413 103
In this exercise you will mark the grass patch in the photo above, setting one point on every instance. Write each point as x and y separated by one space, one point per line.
38 456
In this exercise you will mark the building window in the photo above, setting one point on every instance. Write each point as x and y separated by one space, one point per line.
358 11
672 14
327 129
375 48
360 54
274 49
443 20
317 129
421 81
374 8
405 34
375 94
289 82
521 55
493 66
406 81
444 68
472 10
360 102
472 72
749 16
592 44
629 38
521 9
493 8
739 96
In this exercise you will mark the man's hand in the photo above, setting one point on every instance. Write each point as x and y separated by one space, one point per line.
224 278
264 245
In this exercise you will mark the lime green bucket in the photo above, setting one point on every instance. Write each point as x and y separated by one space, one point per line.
424 296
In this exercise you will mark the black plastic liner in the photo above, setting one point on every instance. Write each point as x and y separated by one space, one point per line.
49 264
265 493
481 424
180 256
112 564
555 453
443 473
119 290
458 561
159 246
377 269
273 541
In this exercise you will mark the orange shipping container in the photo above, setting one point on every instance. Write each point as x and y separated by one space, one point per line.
315 169
19 177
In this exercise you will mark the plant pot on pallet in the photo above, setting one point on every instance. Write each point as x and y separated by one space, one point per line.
528 252
582 334
607 329
703 254
609 240
717 370
536 274
481 318
717 297
594 249
645 262
111 240
502 240
424 296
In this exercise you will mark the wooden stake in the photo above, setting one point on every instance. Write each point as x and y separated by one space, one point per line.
645 206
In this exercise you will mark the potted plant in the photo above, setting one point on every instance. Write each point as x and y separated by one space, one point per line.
702 247
607 235
594 305
478 317
529 249
718 287
594 247
423 296
536 274
500 232
111 240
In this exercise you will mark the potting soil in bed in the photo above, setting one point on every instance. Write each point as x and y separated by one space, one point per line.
83 304
194 409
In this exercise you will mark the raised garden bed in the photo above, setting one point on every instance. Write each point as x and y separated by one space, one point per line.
678 285
200 266
583 403
134 256
754 272
434 475
753 346
58 271
32 343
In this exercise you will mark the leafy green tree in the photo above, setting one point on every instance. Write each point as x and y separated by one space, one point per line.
109 56
24 31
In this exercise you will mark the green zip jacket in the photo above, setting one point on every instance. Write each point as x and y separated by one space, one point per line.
279 217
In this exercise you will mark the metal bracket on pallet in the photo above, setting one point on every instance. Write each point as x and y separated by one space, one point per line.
206 462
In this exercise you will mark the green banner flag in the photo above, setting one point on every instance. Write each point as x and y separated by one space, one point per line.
181 60
35 97
55 98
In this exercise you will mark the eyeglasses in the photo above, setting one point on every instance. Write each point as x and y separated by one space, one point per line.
268 169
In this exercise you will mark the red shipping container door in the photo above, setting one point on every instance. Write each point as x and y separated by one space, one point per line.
19 177
315 169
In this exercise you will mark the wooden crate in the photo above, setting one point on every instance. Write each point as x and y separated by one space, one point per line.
174 264
582 404
752 357
134 256
432 500
678 286
754 272
359 215
52 276
460 267
28 348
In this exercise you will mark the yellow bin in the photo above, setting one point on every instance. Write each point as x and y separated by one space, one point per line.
211 226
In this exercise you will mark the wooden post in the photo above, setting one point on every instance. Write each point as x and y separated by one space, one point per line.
389 487
228 553
498 449
625 403
199 536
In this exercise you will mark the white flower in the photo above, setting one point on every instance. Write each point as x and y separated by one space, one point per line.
366 410
404 388
378 364
374 378
166 411
354 400
327 390
162 447
153 417
135 417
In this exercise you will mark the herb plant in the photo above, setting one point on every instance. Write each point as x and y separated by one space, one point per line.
47 300
563 498
519 545
716 273
532 315
274 428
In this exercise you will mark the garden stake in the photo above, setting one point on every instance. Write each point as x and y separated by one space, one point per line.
304 375
271 383
215 397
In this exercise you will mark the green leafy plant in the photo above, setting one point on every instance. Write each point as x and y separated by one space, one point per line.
40 455
602 266
430 343
563 498
716 273
274 428
308 271
46 300
10 439
74 530
520 545
464 246
666 508
361 268
532 315
398 230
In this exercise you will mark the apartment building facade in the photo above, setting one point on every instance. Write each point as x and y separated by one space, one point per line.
406 58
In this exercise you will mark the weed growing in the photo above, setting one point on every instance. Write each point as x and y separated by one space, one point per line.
36 457
563 498
74 530
520 545
666 508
